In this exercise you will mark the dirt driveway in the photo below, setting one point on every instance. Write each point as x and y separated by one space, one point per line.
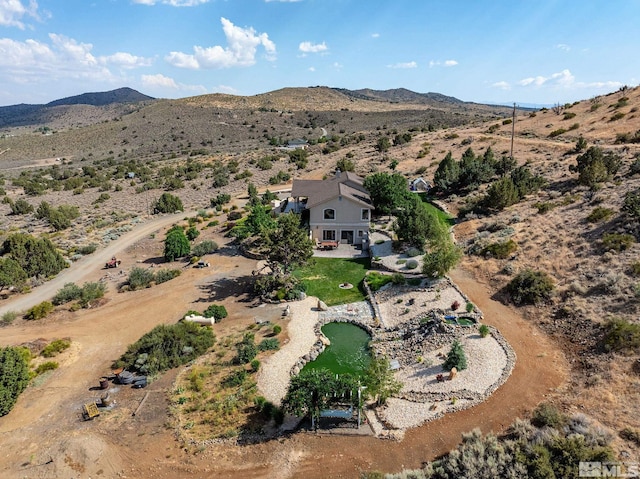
43 437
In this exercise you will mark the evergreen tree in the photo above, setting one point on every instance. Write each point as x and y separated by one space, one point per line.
447 174
14 377
456 358
176 244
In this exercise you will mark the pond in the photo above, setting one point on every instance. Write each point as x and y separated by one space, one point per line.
348 352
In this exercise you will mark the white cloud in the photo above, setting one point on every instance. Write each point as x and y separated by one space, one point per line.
159 80
63 58
12 12
375 35
225 89
173 3
282 1
446 63
126 60
502 85
566 80
308 47
242 44
563 46
403 65
312 69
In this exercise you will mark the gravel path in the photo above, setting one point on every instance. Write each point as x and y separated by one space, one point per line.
273 376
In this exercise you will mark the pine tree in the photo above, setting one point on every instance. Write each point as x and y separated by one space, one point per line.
456 358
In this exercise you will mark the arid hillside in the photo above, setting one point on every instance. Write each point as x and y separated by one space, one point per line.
213 124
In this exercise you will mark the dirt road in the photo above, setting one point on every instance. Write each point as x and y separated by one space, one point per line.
88 266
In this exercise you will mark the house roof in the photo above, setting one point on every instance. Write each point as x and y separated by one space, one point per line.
347 184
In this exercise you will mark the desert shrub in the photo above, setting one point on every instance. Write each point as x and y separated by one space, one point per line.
47 366
246 349
234 215
277 329
411 264
235 378
547 415
616 116
90 292
631 205
544 207
69 292
557 132
204 247
280 177
501 250
21 207
269 344
600 213
530 287
455 305
469 306
630 434
255 365
39 311
568 115
192 233
413 252
216 311
377 280
55 347
168 203
164 275
635 268
621 336
88 249
14 377
456 358
166 347
9 317
140 278
617 241
220 200
484 330
398 279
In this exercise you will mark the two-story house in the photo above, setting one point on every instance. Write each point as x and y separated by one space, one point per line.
339 208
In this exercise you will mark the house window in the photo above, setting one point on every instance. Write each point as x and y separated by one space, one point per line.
329 214
328 235
360 233
365 215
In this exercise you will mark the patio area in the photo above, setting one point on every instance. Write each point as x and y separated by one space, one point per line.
342 251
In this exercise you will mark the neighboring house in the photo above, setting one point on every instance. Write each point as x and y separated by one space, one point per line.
420 185
297 143
339 208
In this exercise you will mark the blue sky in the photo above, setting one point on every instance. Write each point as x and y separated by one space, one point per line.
492 51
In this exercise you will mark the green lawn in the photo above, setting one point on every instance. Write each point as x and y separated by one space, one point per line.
444 217
322 277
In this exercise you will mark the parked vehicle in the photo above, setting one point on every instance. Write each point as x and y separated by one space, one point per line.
114 263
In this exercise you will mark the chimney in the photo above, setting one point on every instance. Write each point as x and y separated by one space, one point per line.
338 173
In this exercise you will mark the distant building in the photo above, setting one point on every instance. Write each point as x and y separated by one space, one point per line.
297 143
420 185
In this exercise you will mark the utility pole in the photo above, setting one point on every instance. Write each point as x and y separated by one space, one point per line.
513 128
